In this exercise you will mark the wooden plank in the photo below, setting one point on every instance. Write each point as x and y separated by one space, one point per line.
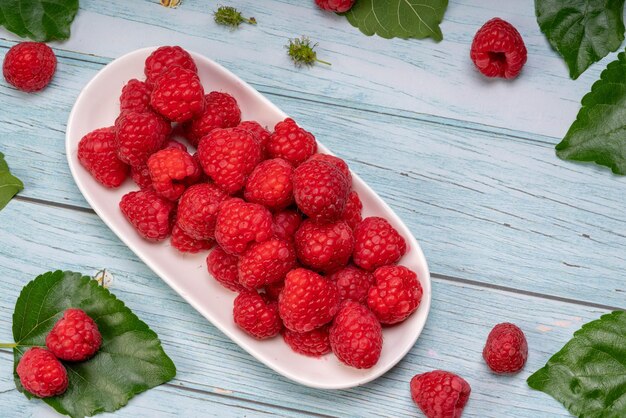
39 238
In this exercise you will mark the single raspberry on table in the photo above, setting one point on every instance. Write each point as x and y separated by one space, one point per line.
291 143
395 295
178 95
336 161
141 176
149 213
270 184
353 283
498 49
356 336
240 223
220 111
223 267
135 97
138 136
324 247
352 212
377 243
506 349
171 171
197 210
266 262
337 6
440 394
261 134
41 373
97 152
320 190
29 66
164 58
186 244
314 343
257 315
286 223
308 300
75 337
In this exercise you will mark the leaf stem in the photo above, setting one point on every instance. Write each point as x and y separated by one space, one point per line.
323 62
8 345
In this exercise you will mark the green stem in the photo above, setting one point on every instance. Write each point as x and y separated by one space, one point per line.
8 345
323 62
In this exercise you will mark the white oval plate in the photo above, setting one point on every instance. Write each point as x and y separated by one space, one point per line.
98 105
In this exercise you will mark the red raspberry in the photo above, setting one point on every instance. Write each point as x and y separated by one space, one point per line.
440 394
186 244
135 97
314 343
286 223
270 184
141 176
41 373
221 111
171 143
149 213
337 6
29 66
498 49
171 171
506 349
356 336
291 143
75 337
352 212
223 267
138 136
273 290
261 134
320 190
396 294
178 95
308 300
197 210
164 58
324 247
337 162
377 243
97 152
353 283
240 223
228 156
256 315
266 262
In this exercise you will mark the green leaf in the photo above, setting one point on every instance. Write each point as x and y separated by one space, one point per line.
599 132
399 18
130 361
40 20
581 31
9 184
588 375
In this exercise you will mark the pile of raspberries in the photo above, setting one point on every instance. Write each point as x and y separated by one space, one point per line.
286 225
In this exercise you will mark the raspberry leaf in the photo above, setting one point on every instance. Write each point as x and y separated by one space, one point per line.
9 184
581 31
599 132
130 360
588 375
39 20
399 18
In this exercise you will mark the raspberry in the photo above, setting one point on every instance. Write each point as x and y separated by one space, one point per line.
324 247
440 394
223 267
377 243
270 184
261 134
29 66
506 349
135 97
97 152
314 343
228 156
498 49
291 143
171 170
149 213
273 290
337 6
171 143
396 294
286 223
197 210
320 190
353 283
356 336
75 337
266 262
41 373
240 223
221 111
352 212
308 300
256 315
164 58
186 244
337 162
178 95
138 136
141 176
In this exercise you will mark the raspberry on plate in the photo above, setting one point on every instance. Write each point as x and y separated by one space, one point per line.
141 176
273 290
440 394
256 315
377 243
240 223
336 161
261 134
149 213
308 300
29 66
197 210
353 283
266 262
337 6
138 136
186 244
352 212
172 143
286 223
506 349
396 294
164 58
171 171
135 97
178 95
41 373
97 152
320 190
75 337
356 336
220 111
314 343
223 267
291 143
324 247
270 184
498 49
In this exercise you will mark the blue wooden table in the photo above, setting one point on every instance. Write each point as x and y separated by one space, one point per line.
511 232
